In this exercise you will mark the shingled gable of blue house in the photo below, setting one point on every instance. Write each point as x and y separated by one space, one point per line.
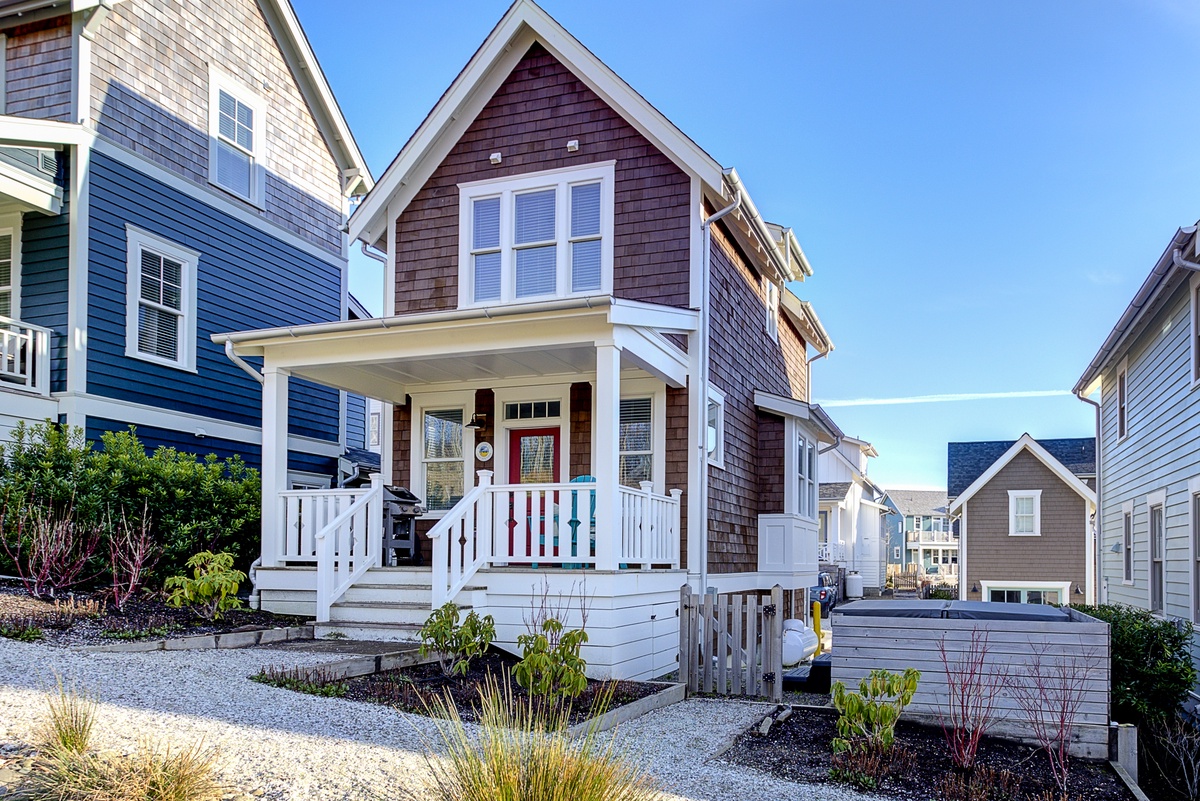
168 172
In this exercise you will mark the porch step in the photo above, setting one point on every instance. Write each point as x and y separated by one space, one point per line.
393 612
367 630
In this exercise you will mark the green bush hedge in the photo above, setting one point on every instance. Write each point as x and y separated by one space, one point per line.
1152 669
192 504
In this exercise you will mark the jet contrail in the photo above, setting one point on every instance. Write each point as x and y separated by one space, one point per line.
963 396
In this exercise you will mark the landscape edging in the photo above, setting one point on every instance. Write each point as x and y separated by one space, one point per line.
672 693
201 642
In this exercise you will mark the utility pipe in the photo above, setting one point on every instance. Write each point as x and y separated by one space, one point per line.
702 385
1097 526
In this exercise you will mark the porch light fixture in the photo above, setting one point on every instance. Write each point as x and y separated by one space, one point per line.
477 421
495 158
1077 590
1116 547
974 588
573 146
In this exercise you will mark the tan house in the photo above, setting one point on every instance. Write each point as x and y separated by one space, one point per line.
1024 510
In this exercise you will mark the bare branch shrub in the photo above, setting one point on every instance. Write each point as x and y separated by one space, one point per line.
132 554
1174 748
973 689
50 550
1050 695
543 606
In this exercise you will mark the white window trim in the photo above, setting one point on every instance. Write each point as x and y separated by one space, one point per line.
657 392
794 430
604 172
1194 327
4 74
502 427
717 457
135 240
1063 588
1154 500
1127 547
1122 403
1013 495
416 452
772 292
11 226
1194 566
219 80
303 480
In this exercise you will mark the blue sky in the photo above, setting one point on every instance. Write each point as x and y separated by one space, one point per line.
980 187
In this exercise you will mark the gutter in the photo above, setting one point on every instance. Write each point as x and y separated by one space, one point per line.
757 223
379 257
1097 527
247 368
703 379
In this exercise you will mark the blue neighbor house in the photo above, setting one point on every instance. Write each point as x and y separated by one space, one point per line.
169 171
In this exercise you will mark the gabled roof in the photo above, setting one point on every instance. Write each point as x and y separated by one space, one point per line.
804 317
1168 273
965 457
919 502
835 491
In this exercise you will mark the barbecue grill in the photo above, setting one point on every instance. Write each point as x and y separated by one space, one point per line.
400 509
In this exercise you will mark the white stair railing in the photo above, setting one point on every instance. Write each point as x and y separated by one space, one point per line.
305 512
348 546
24 356
462 541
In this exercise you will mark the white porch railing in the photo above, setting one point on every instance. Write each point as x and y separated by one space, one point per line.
347 546
306 512
539 525
24 356
831 552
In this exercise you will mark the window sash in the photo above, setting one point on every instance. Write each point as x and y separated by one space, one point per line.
1122 422
443 457
237 122
636 422
154 340
1157 595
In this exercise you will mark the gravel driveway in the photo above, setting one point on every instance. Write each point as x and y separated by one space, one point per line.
291 746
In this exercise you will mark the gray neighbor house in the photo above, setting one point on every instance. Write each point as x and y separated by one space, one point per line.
1146 374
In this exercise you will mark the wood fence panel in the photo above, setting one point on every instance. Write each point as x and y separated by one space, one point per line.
738 642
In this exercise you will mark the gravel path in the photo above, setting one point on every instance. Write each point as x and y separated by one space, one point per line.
294 746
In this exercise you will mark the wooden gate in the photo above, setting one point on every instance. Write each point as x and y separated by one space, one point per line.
731 644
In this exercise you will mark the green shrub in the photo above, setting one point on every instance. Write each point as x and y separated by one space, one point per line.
312 681
868 717
212 591
522 751
1152 669
456 645
550 663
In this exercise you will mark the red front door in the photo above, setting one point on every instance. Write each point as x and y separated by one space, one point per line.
532 459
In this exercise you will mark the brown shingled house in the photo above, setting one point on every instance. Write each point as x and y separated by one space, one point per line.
591 360
1024 510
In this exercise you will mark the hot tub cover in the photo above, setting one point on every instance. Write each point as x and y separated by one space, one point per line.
892 609
985 610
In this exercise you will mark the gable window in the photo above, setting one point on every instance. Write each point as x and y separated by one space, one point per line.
1127 546
1157 546
442 458
806 469
536 236
772 309
236 127
1122 409
635 441
160 300
1024 513
9 277
715 427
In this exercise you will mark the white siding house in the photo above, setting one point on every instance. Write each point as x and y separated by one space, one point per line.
853 513
1146 375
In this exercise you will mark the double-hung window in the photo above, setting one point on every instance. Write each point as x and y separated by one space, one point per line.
1195 499
715 427
8 277
772 291
538 236
1122 405
160 300
635 441
806 476
1127 546
442 458
1024 513
1157 548
236 128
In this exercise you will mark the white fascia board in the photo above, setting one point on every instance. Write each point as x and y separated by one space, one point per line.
788 407
298 53
28 132
520 27
665 319
805 317
29 191
1026 442
653 354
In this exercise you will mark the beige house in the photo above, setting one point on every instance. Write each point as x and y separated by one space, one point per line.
1024 519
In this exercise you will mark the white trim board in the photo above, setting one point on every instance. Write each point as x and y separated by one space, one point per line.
79 405
1030 444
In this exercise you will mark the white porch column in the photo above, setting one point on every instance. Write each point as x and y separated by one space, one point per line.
607 456
274 461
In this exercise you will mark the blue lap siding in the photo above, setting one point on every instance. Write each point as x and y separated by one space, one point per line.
246 279
45 256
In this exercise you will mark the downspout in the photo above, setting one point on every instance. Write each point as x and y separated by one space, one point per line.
366 251
1097 526
837 440
242 363
702 383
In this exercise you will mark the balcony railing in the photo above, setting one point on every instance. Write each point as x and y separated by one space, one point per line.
24 357
932 537
831 553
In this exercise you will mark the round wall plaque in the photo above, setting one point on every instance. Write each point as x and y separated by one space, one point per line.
484 451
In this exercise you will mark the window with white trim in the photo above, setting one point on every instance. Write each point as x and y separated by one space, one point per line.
1195 332
1024 513
540 236
236 126
1021 595
1196 557
160 300
772 292
1122 406
442 461
823 528
373 429
896 554
1127 546
1157 548
635 441
715 427
806 476
9 277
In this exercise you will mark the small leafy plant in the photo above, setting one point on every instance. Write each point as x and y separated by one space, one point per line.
213 590
303 680
456 645
868 717
22 629
550 663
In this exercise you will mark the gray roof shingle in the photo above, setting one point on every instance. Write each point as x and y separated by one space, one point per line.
835 491
919 502
967 461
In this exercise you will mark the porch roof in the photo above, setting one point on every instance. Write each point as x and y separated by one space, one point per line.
389 357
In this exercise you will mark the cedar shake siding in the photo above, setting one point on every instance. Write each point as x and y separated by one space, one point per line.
38 70
533 114
581 429
677 459
744 359
770 463
1057 555
485 404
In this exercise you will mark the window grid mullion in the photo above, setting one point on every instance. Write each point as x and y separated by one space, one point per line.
508 259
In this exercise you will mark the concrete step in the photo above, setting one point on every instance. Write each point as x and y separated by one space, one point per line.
367 630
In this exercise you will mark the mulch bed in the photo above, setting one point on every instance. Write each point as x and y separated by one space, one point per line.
144 618
799 749
410 689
